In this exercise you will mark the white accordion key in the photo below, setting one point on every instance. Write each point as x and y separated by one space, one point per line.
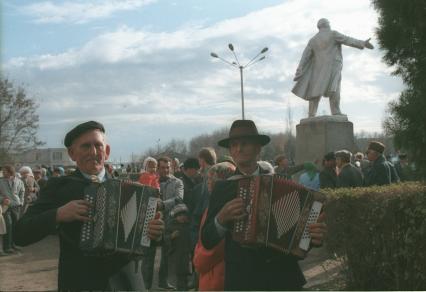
150 214
313 217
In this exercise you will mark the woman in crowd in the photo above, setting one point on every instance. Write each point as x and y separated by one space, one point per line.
210 263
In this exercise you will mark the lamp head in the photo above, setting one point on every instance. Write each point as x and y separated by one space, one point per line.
231 47
214 55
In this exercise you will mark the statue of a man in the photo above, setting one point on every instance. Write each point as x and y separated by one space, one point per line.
319 70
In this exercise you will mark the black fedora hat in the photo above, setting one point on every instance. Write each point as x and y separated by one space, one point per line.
244 129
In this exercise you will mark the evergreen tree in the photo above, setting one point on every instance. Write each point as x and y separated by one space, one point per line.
402 35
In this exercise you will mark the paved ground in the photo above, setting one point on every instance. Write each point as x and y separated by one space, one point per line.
35 268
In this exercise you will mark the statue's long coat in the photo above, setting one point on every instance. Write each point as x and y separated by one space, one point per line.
320 68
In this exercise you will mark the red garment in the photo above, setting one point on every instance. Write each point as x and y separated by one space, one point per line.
149 179
210 264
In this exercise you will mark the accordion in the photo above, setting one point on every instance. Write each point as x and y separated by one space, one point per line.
279 212
120 215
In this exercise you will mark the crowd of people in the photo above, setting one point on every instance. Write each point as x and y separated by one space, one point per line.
198 203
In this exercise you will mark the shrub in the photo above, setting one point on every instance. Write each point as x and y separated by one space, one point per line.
381 234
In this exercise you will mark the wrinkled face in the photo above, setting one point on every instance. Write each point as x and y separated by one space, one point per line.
191 172
90 152
151 167
372 155
23 174
330 163
244 151
164 168
6 174
37 175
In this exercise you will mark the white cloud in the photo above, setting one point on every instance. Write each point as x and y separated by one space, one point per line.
140 80
79 11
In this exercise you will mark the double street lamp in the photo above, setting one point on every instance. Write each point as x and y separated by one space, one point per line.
236 64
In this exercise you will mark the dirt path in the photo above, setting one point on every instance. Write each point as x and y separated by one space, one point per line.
35 268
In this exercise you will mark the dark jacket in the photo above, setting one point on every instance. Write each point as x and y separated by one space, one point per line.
349 177
379 173
328 178
76 271
248 268
189 196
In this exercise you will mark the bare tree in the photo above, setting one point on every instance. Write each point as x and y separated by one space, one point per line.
18 121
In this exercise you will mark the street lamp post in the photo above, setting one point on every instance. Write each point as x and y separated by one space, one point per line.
236 64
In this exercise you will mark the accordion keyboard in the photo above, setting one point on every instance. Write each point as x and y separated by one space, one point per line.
86 229
150 214
313 217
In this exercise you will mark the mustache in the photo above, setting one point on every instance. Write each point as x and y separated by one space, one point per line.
94 158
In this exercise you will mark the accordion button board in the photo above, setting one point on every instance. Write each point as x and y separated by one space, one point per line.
279 212
120 217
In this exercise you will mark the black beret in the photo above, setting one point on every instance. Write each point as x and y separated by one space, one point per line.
191 163
80 130
330 156
376 146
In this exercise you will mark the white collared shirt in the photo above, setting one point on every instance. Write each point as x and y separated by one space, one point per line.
101 176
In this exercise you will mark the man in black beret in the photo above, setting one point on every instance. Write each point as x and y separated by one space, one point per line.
328 174
248 268
61 208
379 173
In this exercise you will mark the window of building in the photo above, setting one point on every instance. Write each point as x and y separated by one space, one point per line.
57 155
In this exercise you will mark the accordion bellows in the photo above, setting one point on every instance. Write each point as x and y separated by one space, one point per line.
278 214
120 216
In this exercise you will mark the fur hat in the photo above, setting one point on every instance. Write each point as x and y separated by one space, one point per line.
376 146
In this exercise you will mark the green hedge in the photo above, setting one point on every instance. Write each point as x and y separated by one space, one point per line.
380 232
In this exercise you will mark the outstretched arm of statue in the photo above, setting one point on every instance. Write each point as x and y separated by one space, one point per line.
368 45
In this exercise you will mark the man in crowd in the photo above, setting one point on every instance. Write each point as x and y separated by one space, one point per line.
190 179
283 168
328 176
349 176
247 268
379 172
171 189
12 189
61 208
39 177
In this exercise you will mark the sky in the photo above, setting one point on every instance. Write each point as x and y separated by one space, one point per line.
143 67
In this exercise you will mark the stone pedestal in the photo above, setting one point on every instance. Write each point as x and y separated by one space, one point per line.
319 135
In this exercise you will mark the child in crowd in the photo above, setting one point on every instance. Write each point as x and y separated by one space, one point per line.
149 175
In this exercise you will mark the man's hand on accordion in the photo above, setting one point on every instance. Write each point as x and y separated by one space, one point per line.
231 211
156 228
318 231
75 210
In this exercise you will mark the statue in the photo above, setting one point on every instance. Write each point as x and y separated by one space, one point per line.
320 68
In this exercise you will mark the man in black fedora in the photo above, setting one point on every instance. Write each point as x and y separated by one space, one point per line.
61 208
248 268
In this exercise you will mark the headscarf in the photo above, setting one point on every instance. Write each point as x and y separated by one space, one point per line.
310 169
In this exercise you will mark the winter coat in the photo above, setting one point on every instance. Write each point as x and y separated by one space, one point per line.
319 70
210 264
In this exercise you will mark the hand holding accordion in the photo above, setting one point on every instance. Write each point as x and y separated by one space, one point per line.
279 213
121 218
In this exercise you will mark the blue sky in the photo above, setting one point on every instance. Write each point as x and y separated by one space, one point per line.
143 67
